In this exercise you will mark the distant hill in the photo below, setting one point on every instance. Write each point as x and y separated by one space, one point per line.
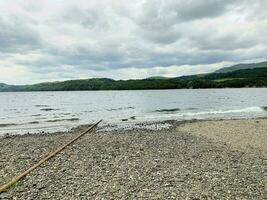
2 84
256 77
157 77
242 66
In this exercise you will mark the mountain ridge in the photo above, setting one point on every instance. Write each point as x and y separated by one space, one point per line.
251 77
242 66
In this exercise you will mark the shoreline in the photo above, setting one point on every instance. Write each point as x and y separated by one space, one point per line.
220 88
123 125
189 159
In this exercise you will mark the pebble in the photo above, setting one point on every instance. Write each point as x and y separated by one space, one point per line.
130 164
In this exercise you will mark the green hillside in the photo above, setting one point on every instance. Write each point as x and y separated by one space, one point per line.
256 77
242 66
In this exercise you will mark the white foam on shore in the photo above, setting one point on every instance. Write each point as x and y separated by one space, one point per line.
242 110
214 112
247 112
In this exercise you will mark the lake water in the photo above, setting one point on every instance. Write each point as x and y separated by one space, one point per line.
24 112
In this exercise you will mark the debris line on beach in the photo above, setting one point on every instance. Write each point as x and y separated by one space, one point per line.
25 173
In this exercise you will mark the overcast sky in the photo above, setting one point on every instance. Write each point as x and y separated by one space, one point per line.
64 39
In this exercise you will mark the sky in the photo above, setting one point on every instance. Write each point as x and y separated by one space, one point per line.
53 40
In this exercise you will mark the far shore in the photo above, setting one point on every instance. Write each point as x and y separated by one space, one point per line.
201 159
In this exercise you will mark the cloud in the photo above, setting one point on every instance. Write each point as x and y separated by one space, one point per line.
167 13
122 39
17 36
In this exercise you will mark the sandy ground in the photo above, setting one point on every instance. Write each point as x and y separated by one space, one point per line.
241 135
193 160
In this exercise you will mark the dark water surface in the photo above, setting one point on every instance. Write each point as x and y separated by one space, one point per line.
24 112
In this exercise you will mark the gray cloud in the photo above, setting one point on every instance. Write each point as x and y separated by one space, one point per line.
17 36
166 13
98 37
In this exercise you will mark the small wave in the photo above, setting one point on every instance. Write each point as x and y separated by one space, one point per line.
31 128
131 118
41 118
88 111
36 115
60 120
264 108
66 113
34 122
191 108
214 112
168 110
121 108
207 114
11 109
48 109
55 120
7 125
41 106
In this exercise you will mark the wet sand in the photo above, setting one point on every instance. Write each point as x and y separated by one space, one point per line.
189 160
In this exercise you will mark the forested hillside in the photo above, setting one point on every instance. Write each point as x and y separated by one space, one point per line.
241 78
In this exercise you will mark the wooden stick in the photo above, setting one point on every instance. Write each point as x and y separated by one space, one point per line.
17 178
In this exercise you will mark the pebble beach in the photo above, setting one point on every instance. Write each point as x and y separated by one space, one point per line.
219 159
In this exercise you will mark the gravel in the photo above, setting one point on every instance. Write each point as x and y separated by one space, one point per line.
170 163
